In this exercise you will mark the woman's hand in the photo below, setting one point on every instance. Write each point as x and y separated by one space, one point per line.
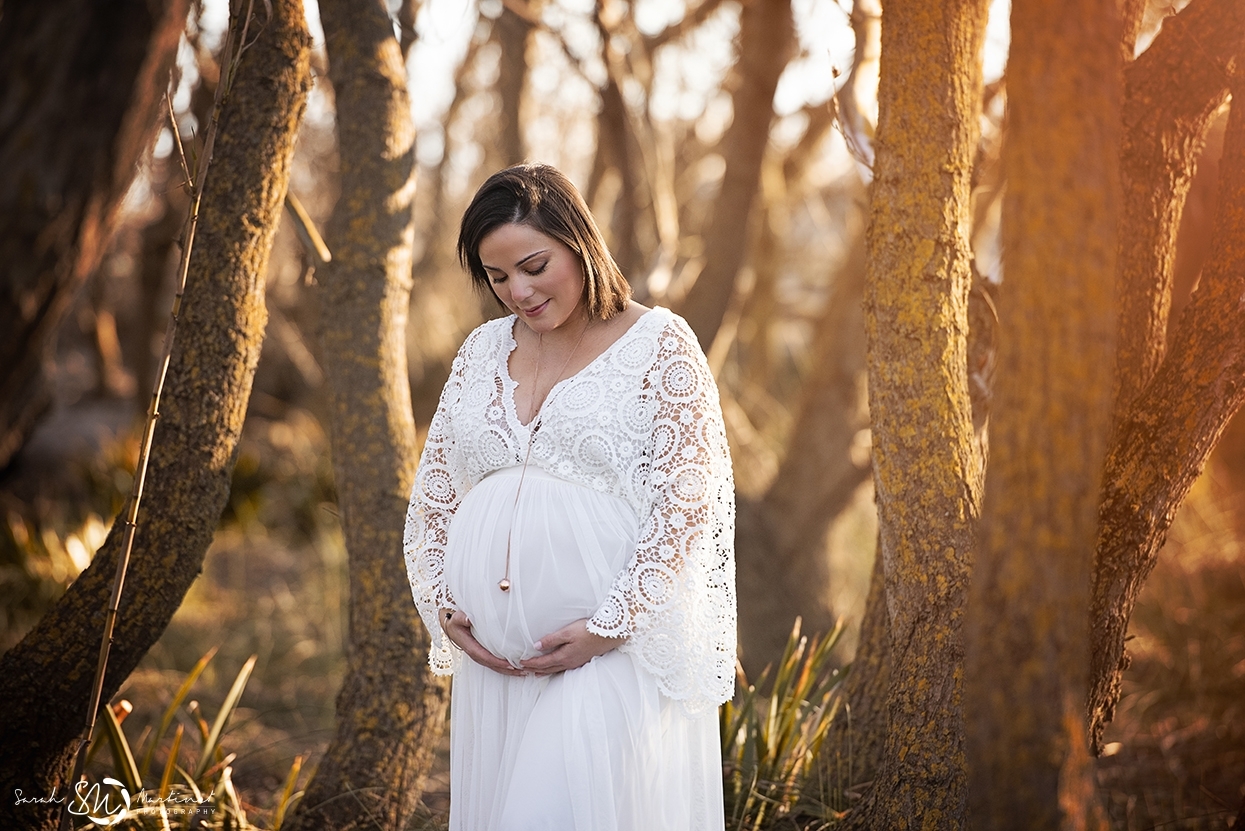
457 628
570 647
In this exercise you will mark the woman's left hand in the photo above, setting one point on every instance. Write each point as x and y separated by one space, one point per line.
570 647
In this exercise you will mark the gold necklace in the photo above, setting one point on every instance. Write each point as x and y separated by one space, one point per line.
535 422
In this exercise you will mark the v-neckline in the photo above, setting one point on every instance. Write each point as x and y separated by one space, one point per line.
509 385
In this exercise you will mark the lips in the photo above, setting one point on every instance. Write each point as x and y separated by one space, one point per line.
535 310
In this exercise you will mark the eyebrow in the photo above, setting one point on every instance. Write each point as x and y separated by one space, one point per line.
519 263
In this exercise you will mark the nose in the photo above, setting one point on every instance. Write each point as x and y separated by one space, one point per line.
520 287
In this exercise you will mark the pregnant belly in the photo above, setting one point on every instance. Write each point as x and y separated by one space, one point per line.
567 543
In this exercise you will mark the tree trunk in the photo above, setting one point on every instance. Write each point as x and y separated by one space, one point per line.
780 538
856 740
512 34
784 532
45 680
1171 93
1027 638
1180 80
618 147
853 749
1163 441
766 39
1132 16
390 710
926 465
82 90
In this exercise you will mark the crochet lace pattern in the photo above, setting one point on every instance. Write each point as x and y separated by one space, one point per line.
641 422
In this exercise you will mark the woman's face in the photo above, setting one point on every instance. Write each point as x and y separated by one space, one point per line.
534 276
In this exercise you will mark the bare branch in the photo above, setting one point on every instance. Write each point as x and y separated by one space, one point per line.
690 21
305 228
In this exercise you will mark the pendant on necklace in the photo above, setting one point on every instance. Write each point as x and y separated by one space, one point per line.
503 584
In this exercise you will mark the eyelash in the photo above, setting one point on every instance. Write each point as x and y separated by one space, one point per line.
534 272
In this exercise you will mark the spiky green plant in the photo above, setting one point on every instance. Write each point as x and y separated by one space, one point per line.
770 739
197 794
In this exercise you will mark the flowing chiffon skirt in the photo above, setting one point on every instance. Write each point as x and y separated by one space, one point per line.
598 748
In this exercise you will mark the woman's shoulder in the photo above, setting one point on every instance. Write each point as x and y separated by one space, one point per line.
673 333
486 338
493 329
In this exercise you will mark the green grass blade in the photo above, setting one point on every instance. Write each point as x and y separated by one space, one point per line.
121 754
222 718
171 711
170 767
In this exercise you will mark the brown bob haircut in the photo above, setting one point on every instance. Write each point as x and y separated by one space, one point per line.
541 197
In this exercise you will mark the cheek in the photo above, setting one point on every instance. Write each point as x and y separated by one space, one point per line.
571 284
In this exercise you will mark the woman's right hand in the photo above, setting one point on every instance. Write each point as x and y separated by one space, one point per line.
457 628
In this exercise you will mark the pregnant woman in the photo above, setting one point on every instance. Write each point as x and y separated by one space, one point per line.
570 537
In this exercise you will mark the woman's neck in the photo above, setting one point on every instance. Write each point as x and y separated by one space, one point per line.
562 337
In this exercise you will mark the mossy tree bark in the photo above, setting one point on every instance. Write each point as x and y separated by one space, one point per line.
766 40
390 710
1163 440
45 680
1171 93
1027 636
1171 407
856 743
83 89
927 467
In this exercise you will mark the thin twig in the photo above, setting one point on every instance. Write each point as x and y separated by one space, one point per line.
153 411
177 139
305 228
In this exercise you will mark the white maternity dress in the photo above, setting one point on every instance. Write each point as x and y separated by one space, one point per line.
625 517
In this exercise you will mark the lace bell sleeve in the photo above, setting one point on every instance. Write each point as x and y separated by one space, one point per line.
675 601
441 481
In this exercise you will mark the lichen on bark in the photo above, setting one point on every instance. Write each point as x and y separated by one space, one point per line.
926 462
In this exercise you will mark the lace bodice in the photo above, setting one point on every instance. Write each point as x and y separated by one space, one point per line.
641 422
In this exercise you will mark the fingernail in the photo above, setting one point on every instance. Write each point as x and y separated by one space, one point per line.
537 645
